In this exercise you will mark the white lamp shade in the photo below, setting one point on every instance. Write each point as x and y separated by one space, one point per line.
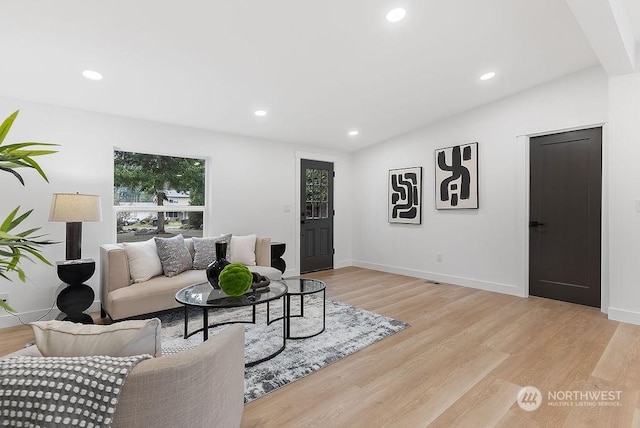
75 207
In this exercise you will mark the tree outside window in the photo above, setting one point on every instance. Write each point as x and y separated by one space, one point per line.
158 195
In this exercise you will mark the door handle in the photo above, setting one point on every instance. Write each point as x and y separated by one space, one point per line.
535 224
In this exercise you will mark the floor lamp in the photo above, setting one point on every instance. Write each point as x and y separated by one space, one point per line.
73 209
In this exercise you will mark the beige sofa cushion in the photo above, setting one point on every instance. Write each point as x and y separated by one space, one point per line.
126 338
243 250
144 262
271 273
157 294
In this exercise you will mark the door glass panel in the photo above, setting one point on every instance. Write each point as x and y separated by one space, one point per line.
317 193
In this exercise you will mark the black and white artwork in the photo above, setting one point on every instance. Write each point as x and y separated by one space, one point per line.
405 195
457 177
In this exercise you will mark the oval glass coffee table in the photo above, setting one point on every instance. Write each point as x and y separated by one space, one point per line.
206 297
308 290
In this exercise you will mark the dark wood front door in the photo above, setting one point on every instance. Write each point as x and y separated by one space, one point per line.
316 216
565 216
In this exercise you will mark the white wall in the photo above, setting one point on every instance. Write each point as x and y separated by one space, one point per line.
624 218
484 248
251 181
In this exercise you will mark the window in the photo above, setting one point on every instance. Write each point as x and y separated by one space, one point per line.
317 191
156 195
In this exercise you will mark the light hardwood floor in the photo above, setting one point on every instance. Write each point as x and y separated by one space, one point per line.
460 364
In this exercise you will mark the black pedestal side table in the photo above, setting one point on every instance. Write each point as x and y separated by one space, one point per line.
277 251
74 299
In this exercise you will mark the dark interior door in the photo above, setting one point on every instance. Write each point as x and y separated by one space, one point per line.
565 216
316 216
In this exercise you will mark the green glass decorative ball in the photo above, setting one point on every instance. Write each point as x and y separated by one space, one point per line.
235 279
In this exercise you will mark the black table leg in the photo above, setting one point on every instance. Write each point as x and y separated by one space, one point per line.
302 305
284 337
205 324
324 309
288 316
186 320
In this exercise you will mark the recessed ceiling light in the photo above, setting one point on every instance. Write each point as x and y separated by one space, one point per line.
92 75
397 14
488 76
353 133
260 113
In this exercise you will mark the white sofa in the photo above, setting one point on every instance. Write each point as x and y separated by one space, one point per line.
198 387
121 298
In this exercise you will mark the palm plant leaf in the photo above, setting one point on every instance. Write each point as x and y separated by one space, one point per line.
29 232
6 224
33 164
15 156
25 245
17 247
6 125
5 305
17 146
18 176
36 253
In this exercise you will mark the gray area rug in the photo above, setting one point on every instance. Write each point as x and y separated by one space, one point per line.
348 329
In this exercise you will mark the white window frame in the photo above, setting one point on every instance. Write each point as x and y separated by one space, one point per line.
165 208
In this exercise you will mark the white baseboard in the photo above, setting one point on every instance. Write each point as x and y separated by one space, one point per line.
31 316
342 264
623 315
291 272
437 277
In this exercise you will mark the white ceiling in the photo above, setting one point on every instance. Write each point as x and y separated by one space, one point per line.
632 8
320 68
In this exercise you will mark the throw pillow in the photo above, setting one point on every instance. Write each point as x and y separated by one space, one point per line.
121 339
174 256
243 250
205 250
188 242
144 262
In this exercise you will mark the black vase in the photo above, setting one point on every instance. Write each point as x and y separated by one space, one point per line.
214 269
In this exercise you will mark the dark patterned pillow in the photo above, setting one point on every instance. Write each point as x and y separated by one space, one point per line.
174 255
205 250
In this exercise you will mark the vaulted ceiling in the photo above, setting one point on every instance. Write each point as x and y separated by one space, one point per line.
318 68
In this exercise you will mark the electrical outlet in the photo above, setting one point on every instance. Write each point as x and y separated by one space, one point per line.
438 257
4 297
